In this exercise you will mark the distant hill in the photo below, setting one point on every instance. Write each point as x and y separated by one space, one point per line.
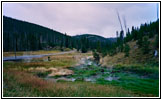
95 38
22 36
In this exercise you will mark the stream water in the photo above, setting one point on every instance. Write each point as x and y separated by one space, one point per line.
29 57
88 70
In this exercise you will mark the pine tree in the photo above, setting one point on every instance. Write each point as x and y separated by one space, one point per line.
99 46
66 41
128 36
61 45
83 45
121 35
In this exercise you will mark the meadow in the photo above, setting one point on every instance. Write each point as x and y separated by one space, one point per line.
26 79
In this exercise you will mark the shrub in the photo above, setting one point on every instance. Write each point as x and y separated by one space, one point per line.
96 56
126 50
156 43
145 47
83 49
139 42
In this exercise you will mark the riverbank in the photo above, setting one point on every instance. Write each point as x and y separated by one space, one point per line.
18 80
21 53
75 75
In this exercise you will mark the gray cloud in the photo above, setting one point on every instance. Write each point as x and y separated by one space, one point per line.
81 18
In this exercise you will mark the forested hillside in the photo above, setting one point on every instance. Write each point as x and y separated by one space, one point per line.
141 45
24 36
92 42
95 38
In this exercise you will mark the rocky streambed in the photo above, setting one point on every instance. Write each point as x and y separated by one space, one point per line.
87 70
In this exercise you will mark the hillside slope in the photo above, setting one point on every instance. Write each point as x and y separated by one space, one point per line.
25 36
135 55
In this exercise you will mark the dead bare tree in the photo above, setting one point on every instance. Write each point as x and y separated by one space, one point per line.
122 31
119 20
125 24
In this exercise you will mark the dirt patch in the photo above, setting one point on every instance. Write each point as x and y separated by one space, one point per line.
54 71
38 69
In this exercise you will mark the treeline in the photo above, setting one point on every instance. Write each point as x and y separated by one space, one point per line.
88 42
141 35
24 36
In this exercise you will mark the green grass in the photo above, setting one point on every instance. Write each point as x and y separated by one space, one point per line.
140 86
19 82
25 85
85 72
141 79
131 79
47 64
151 71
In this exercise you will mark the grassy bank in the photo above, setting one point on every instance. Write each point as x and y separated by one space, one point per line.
65 60
21 53
18 83
21 83
142 79
138 72
135 80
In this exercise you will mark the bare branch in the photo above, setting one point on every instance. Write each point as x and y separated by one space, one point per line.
119 20
125 24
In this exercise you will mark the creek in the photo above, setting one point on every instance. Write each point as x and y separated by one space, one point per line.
88 70
29 57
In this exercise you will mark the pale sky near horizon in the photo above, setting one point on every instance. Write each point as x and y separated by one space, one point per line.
83 18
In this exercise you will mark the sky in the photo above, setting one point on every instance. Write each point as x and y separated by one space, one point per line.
83 18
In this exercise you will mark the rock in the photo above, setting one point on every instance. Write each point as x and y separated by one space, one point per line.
89 63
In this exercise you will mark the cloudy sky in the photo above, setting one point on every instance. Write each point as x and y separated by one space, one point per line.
80 18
